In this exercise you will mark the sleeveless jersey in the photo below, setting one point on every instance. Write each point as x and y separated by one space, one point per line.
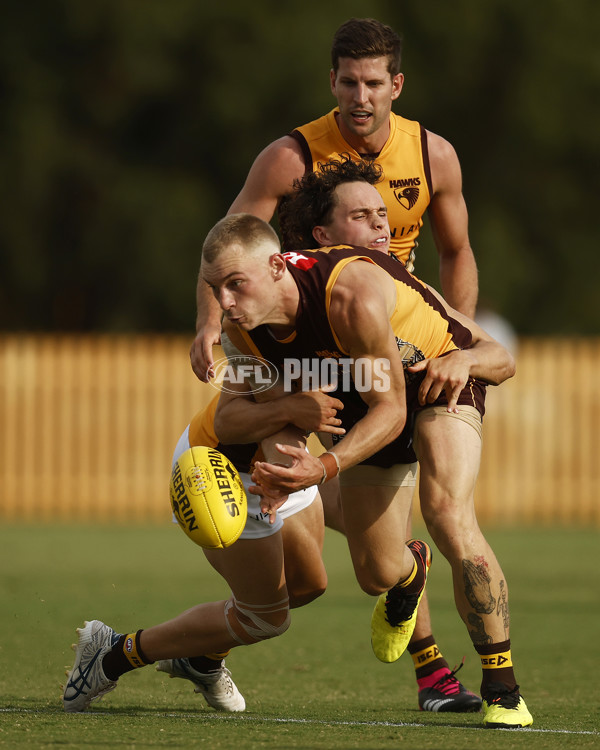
406 184
422 327
202 432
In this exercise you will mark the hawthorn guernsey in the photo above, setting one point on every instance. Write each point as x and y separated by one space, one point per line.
208 498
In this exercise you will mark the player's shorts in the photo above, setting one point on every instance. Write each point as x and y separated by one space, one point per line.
397 475
257 524
469 414
405 474
401 450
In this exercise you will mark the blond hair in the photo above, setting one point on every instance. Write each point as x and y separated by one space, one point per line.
244 231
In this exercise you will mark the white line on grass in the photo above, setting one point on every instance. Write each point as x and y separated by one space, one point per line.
283 720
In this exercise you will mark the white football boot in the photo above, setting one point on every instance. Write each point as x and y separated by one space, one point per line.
217 687
86 681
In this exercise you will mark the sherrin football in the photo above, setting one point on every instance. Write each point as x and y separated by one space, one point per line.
208 497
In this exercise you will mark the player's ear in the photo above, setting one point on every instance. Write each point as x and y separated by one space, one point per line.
321 236
397 83
277 262
332 77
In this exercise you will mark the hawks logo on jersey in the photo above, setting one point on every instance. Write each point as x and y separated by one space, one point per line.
406 191
407 197
300 261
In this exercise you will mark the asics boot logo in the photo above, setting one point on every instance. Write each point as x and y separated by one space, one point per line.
80 682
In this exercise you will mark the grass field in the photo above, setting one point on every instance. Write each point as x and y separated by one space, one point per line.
318 686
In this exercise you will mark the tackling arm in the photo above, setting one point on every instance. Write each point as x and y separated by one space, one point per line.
485 359
244 417
361 303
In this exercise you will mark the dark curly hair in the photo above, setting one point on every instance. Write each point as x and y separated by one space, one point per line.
313 198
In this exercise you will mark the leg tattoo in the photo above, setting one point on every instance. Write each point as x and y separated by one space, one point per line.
477 586
502 608
478 634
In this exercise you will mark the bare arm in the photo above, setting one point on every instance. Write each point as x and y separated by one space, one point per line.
486 358
245 417
361 302
270 178
449 225
240 419
208 331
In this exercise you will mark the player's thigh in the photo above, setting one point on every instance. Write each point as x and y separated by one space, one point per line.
304 529
449 451
253 568
332 507
302 535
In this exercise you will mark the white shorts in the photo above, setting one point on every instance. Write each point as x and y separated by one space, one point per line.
257 525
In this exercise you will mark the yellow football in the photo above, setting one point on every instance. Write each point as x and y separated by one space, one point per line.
208 497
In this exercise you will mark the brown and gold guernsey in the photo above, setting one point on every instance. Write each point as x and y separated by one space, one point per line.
202 432
422 327
406 185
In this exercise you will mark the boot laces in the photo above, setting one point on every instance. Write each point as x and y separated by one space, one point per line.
448 684
399 607
499 695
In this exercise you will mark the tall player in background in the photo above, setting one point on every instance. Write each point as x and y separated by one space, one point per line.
421 173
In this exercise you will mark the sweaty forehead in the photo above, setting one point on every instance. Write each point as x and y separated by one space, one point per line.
363 67
228 258
234 259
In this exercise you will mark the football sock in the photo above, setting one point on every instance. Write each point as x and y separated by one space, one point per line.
125 655
208 663
427 659
496 664
416 580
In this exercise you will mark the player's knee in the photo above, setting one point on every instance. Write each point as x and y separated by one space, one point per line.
452 529
304 592
251 623
376 580
305 584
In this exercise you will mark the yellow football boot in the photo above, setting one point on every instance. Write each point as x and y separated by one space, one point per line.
505 709
395 614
